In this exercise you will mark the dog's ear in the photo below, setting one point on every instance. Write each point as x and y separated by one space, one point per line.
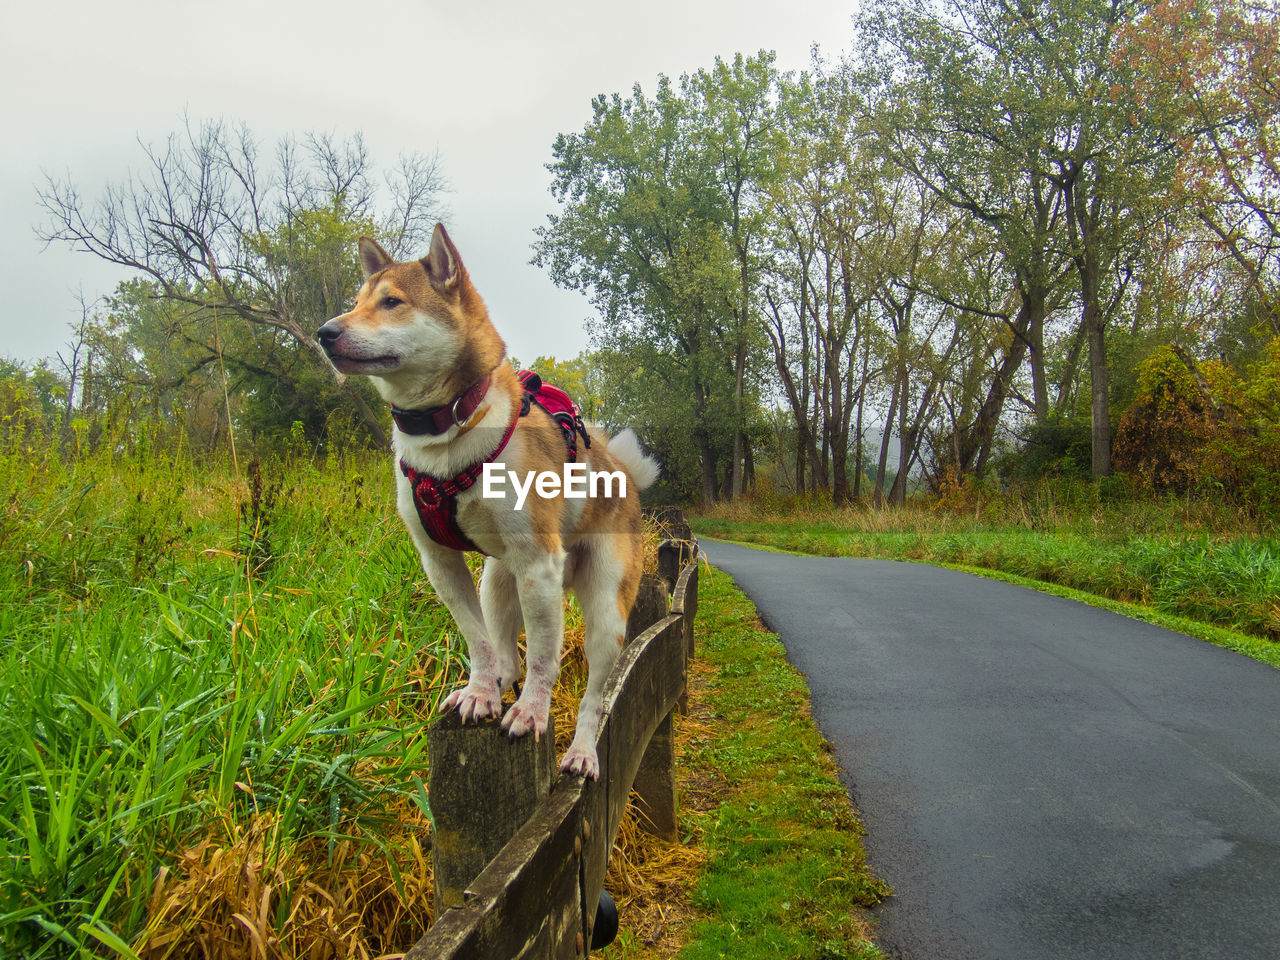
443 265
372 257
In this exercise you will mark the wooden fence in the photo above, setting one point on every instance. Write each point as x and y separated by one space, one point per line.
520 854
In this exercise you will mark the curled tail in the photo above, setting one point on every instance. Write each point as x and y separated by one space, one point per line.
642 469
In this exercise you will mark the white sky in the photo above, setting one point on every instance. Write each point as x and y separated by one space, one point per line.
488 84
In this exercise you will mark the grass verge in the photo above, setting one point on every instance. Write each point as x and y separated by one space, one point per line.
1051 562
783 876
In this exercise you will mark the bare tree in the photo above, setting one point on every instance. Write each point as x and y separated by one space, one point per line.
71 364
267 244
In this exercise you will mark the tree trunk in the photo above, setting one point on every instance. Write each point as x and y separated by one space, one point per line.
1100 405
708 469
877 494
735 490
840 473
802 452
1069 371
975 445
898 493
1099 378
1034 304
841 397
857 463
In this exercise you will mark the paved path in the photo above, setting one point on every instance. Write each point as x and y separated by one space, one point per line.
1039 778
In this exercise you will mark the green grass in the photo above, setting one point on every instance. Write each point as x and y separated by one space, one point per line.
181 649
786 878
1227 581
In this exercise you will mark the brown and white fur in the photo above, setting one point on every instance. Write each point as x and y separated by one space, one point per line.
421 331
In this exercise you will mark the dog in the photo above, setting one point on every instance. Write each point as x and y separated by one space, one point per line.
463 427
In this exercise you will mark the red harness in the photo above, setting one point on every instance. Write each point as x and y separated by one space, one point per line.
436 500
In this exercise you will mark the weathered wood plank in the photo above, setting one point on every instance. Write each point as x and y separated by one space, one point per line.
595 843
526 903
640 694
652 604
655 784
684 601
484 786
673 557
537 898
641 691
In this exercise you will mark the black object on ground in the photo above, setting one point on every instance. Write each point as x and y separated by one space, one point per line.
606 926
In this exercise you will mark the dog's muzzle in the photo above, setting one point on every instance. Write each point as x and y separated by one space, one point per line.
328 336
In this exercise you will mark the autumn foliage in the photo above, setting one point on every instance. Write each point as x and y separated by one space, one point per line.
1215 432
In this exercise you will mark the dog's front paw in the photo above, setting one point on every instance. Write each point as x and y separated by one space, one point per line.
474 702
581 762
523 718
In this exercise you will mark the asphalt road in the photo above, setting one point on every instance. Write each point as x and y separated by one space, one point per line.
1038 778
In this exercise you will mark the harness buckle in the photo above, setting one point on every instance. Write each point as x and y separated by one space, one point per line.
429 493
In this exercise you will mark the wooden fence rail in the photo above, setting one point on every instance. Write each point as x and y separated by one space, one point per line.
520 855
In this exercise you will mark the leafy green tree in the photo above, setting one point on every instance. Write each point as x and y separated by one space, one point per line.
822 270
31 400
1023 115
656 227
961 118
737 126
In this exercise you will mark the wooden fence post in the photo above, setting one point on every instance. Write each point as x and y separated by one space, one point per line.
651 606
684 601
655 783
484 787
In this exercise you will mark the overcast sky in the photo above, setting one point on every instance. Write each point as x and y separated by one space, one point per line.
487 84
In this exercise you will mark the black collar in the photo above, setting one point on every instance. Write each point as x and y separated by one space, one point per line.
436 420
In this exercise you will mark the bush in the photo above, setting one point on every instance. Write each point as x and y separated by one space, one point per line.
1221 438
1056 446
1162 437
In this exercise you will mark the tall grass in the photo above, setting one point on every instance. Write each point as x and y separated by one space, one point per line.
1195 558
204 677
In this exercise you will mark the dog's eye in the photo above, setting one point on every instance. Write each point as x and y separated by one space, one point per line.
389 302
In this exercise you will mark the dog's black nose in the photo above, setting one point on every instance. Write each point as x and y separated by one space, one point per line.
328 335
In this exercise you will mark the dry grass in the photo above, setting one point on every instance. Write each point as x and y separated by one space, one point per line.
243 891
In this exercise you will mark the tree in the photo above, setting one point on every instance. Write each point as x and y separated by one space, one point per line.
961 118
1214 66
737 126
648 230
1029 122
823 211
265 247
31 403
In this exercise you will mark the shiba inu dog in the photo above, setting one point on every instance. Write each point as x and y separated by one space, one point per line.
464 422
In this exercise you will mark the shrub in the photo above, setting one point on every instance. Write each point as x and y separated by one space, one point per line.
1056 446
1161 438
1221 437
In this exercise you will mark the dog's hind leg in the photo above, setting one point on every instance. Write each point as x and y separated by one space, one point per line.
540 585
501 605
606 581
